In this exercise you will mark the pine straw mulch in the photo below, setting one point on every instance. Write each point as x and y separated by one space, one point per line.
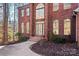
53 49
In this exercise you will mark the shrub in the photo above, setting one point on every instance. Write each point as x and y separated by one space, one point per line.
21 37
56 38
18 34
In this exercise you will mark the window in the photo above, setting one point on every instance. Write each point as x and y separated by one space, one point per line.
27 27
22 12
40 15
55 6
67 26
56 27
40 11
67 5
40 28
22 27
27 11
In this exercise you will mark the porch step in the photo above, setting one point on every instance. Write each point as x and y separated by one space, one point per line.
36 39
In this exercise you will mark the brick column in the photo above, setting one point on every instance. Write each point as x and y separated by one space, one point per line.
50 25
61 19
50 18
46 21
31 19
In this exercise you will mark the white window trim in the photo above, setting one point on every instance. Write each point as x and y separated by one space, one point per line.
27 27
27 11
40 5
38 8
22 27
39 32
67 6
56 28
55 8
67 25
40 22
22 12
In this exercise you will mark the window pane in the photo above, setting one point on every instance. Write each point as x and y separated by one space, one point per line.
40 13
28 12
22 12
56 27
27 27
40 28
36 29
67 26
67 5
37 14
22 27
55 6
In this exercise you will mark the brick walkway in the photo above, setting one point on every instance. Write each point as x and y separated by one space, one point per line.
20 49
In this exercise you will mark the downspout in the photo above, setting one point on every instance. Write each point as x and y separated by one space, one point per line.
75 14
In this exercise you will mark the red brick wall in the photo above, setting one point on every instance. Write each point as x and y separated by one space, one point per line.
65 14
23 19
49 17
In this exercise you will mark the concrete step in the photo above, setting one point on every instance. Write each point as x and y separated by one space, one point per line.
34 38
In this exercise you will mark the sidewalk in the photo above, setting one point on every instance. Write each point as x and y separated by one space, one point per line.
20 49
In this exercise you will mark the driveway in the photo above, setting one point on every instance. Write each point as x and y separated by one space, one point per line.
19 49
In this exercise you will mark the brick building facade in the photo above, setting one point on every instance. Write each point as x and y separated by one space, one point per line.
38 20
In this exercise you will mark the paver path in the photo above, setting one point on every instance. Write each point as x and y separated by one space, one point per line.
19 49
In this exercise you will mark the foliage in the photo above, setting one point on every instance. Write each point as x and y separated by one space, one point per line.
56 38
21 37
18 34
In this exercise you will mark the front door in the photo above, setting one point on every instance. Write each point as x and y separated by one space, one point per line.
40 28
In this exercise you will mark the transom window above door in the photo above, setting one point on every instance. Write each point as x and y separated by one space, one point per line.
40 11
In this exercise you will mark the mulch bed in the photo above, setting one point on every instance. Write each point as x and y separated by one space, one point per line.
52 49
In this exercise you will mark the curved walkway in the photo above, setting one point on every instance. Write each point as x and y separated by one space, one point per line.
19 49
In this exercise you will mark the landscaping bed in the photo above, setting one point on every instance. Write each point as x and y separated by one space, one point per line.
53 49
